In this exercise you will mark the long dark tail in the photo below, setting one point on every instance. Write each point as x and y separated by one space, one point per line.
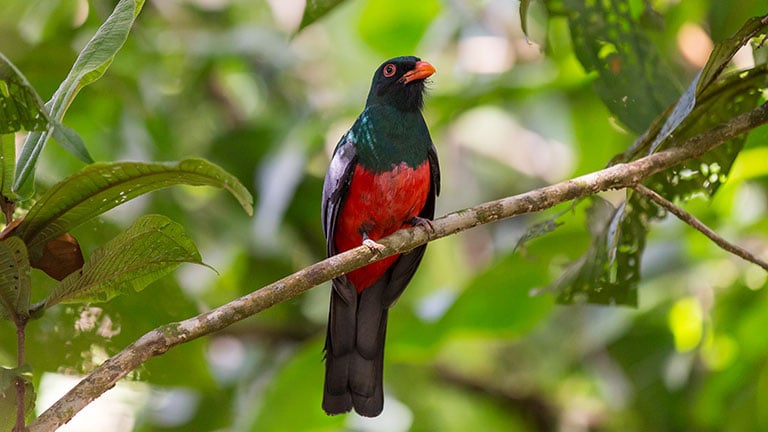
354 350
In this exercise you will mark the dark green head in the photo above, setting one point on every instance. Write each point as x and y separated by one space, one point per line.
400 82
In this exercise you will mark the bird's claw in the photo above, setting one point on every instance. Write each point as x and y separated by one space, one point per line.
423 222
373 246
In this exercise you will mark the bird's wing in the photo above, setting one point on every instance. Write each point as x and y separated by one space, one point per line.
434 168
340 353
335 187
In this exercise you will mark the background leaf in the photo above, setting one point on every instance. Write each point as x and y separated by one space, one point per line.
151 248
479 309
277 408
379 16
316 9
102 186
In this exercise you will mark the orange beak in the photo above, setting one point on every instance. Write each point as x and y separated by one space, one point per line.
420 72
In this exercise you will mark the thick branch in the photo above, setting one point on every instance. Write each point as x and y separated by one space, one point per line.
160 340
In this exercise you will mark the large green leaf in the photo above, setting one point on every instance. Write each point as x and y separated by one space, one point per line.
634 82
102 186
152 247
89 66
15 285
316 9
20 105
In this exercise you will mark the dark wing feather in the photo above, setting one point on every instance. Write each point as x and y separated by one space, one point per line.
335 187
434 168
340 349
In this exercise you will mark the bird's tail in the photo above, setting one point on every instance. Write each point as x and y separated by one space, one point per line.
354 352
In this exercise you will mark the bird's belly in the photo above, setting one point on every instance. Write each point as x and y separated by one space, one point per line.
380 204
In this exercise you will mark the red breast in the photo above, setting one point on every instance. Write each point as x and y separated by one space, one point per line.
381 203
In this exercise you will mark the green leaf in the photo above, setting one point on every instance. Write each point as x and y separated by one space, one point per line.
524 5
15 285
20 105
89 66
7 164
71 141
316 9
634 83
151 248
102 186
8 395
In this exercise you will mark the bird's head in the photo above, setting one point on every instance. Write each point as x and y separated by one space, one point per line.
400 82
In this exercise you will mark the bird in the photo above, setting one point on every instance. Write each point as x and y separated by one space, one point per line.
383 176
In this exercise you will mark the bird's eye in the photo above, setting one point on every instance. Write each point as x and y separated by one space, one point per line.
389 70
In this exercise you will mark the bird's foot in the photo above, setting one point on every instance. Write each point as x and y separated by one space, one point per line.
423 222
372 245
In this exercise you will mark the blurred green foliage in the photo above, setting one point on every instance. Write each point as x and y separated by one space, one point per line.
476 342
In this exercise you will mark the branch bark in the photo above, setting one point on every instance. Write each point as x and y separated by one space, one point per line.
160 340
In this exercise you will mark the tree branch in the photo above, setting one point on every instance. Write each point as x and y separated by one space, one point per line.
700 226
160 340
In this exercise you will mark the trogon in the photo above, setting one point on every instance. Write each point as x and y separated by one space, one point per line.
383 176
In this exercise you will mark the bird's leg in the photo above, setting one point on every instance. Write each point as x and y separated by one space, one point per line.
372 245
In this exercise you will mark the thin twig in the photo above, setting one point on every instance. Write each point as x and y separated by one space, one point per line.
700 226
160 340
